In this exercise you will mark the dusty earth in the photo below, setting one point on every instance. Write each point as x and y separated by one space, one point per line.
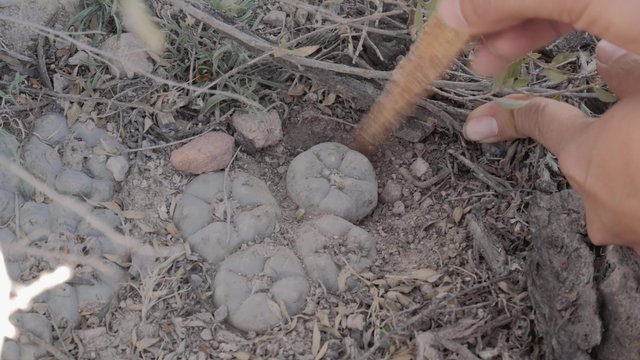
454 267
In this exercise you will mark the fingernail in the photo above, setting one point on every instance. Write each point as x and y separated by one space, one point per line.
608 52
480 129
451 13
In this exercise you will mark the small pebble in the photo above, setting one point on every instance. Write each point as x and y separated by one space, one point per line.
420 169
355 322
275 18
426 204
398 208
301 16
412 131
392 192
210 152
206 335
428 291
118 166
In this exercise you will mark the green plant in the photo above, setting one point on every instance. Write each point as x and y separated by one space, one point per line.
240 10
557 74
12 90
102 13
200 55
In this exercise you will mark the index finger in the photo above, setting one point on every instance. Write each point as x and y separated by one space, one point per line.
614 20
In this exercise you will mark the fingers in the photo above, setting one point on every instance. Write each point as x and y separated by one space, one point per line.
547 121
620 69
615 20
500 49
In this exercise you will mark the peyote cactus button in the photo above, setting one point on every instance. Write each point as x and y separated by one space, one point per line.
73 162
325 243
217 222
330 178
258 284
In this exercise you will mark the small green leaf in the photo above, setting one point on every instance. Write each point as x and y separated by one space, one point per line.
520 83
418 16
554 75
509 76
605 96
211 102
563 58
511 104
535 55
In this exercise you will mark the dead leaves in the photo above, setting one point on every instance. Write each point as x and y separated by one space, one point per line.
301 52
314 93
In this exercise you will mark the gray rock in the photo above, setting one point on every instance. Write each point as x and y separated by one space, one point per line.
620 297
97 166
300 16
250 283
391 193
79 58
323 241
414 131
330 178
421 169
60 83
560 277
275 18
398 208
118 166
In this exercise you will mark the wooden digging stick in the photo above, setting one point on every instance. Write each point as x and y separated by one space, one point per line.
430 55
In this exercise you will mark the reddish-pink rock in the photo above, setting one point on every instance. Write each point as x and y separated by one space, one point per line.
210 152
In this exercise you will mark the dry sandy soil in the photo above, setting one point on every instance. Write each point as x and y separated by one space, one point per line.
449 278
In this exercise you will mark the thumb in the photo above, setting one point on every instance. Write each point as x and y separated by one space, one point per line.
619 68
547 121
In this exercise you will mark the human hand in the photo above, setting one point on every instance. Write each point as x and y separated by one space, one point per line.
512 28
600 158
